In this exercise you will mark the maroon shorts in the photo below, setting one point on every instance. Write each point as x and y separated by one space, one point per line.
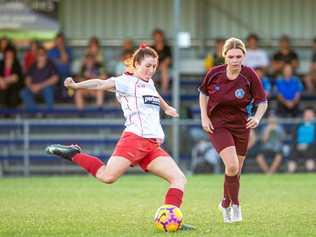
139 150
225 137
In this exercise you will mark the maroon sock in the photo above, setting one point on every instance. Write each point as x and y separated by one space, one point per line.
174 197
90 163
232 183
226 200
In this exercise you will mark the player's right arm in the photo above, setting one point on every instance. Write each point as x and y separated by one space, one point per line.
92 84
206 122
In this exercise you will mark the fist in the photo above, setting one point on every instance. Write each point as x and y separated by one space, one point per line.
70 83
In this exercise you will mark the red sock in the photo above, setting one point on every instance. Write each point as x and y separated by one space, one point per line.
174 197
232 184
90 163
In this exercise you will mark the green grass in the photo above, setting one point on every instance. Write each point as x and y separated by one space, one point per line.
279 205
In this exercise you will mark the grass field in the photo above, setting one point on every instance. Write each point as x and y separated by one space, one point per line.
279 205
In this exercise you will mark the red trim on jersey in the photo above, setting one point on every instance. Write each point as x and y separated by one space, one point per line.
140 119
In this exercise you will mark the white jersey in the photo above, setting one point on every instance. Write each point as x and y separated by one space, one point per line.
141 106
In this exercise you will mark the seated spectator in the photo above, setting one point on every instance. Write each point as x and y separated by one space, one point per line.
217 58
289 89
304 148
285 55
164 53
310 78
61 56
265 80
203 152
89 70
4 43
94 49
271 146
11 79
30 56
255 57
126 54
40 80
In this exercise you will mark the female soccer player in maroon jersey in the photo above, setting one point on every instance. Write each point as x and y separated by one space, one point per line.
225 93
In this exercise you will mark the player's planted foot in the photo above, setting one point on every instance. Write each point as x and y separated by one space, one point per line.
226 212
236 213
187 227
66 152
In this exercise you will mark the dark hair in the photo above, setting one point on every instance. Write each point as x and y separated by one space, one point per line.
309 108
142 52
253 36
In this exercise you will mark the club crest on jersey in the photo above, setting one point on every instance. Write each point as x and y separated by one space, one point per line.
239 93
152 100
217 87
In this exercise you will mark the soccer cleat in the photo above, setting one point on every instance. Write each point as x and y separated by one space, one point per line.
236 213
185 227
226 212
66 152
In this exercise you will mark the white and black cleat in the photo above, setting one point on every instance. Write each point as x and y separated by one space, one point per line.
65 152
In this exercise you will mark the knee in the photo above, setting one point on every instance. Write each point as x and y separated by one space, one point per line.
178 179
108 179
232 169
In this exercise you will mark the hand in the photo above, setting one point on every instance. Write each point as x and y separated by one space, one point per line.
207 125
252 122
171 112
3 84
35 88
70 83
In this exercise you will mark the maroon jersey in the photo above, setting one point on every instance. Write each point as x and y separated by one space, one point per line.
228 99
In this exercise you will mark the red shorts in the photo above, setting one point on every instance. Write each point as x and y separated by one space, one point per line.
139 150
225 137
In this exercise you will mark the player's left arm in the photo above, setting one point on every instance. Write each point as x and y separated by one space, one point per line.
260 99
169 110
254 121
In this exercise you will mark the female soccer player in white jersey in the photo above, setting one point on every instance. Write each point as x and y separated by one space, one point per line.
141 139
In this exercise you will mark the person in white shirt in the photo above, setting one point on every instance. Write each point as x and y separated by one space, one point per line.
255 57
141 139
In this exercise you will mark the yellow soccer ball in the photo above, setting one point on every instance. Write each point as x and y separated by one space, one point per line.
168 218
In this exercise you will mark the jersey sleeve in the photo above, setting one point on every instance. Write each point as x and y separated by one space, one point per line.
256 88
124 85
204 84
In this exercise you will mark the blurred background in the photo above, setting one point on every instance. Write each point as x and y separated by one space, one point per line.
43 42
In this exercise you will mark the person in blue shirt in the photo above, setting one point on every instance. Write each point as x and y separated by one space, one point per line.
265 80
61 56
304 149
289 89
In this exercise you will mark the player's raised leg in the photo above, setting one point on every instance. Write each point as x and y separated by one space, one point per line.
109 173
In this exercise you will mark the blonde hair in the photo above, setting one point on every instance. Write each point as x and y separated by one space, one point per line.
233 43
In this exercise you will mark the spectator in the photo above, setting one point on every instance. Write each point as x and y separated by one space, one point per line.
304 149
11 79
285 55
310 78
30 56
40 80
4 43
217 58
126 54
271 146
289 89
61 56
255 57
89 70
265 80
164 53
94 49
